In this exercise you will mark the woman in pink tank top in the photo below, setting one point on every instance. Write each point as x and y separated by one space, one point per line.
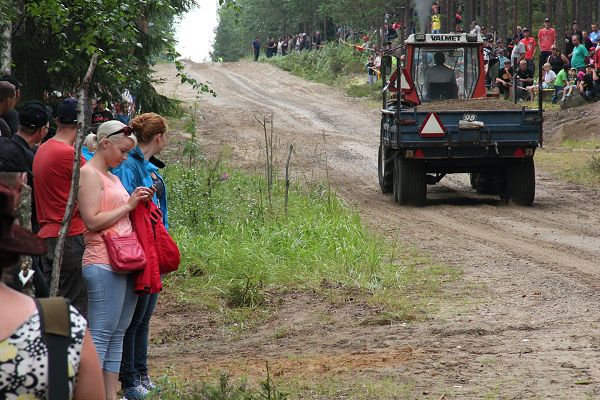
104 204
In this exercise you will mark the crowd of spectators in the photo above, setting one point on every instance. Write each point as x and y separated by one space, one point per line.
282 45
109 310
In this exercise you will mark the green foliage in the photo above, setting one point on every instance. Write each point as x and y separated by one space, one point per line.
237 249
172 389
53 42
594 165
324 66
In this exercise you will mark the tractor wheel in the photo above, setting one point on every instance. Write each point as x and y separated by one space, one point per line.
385 168
520 181
410 182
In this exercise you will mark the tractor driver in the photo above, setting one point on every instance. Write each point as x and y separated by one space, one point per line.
441 79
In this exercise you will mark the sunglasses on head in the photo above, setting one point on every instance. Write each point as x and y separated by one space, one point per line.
126 130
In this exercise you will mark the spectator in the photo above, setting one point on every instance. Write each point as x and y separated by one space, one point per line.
561 82
524 79
151 132
122 112
594 35
7 103
546 38
588 85
557 60
590 47
291 43
548 83
280 46
256 48
105 205
475 28
101 114
89 146
579 54
530 47
24 362
284 45
569 38
318 41
371 72
570 84
12 116
518 52
52 170
504 79
436 23
520 33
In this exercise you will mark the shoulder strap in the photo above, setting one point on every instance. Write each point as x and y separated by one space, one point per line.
55 326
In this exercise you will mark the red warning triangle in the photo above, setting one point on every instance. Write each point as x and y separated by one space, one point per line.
432 126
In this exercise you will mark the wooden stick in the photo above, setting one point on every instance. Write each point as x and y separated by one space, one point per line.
66 222
287 177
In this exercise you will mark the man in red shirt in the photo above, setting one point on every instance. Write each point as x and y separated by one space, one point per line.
546 38
530 44
52 170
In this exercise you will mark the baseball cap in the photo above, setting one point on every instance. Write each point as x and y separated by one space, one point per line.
66 112
12 158
575 23
33 114
525 29
547 20
13 80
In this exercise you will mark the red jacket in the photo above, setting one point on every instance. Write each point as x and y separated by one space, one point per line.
148 280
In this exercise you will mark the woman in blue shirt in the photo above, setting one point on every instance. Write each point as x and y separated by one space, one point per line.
150 130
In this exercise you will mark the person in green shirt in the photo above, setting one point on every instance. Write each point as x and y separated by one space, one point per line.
579 54
560 82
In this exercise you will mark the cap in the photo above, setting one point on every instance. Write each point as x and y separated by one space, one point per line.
525 29
66 112
575 23
515 36
13 80
14 238
547 20
34 115
507 61
12 158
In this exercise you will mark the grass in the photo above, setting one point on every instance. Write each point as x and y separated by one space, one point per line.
238 251
580 167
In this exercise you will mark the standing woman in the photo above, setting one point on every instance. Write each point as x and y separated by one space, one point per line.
104 205
150 130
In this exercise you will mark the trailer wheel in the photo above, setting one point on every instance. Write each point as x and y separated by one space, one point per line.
385 168
487 183
410 182
520 181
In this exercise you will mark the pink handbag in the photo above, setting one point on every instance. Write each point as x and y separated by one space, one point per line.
125 252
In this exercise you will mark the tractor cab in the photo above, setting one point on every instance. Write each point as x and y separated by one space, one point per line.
443 67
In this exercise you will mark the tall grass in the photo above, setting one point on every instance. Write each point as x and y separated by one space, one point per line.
325 65
235 247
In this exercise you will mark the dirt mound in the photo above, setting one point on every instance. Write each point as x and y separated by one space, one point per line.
470 105
575 123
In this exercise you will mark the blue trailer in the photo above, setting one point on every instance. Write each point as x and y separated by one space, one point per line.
436 127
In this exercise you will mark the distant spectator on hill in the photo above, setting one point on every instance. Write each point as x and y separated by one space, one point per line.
475 28
594 35
89 146
101 113
318 41
530 47
579 54
518 51
7 103
504 79
560 82
557 60
548 82
256 48
570 84
546 38
587 42
524 79
589 84
436 23
569 38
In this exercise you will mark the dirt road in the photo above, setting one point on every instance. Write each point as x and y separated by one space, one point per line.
527 328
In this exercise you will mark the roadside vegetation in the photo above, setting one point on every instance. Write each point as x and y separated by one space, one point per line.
576 161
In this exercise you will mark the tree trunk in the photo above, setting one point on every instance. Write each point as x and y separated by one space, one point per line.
515 16
561 23
495 19
450 15
502 7
66 222
550 11
530 15
573 11
5 47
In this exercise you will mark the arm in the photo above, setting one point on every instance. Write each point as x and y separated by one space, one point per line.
534 49
89 384
564 59
89 200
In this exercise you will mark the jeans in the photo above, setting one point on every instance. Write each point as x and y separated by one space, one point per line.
71 284
134 362
557 90
111 302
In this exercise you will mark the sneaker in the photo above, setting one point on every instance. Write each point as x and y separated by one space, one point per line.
146 382
135 393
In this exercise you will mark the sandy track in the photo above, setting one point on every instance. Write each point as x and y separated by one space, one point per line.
530 327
